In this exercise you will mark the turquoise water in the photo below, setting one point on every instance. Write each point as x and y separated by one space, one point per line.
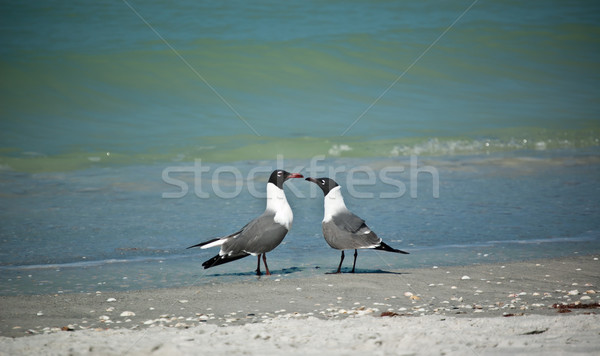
94 78
99 100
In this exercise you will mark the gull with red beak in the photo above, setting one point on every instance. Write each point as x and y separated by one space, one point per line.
260 235
341 228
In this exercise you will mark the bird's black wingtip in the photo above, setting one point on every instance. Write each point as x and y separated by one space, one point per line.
385 247
219 260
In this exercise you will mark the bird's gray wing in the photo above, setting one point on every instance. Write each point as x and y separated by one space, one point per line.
348 231
261 235
347 221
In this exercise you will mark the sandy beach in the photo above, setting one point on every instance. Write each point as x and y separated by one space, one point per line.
545 307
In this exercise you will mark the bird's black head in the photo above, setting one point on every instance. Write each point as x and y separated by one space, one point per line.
279 176
326 184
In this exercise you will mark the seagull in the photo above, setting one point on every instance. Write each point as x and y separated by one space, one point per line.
260 235
341 228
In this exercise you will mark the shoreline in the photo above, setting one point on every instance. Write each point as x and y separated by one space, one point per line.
502 294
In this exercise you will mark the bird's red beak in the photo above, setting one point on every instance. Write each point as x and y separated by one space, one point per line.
295 175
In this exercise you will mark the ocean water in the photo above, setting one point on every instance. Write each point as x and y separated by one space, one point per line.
463 132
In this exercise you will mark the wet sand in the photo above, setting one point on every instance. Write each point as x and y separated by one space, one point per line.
543 306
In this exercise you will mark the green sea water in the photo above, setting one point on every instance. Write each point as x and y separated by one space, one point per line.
231 149
149 81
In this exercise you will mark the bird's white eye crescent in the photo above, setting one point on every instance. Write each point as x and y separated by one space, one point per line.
323 181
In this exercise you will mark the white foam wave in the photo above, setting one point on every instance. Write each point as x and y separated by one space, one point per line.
86 264
588 236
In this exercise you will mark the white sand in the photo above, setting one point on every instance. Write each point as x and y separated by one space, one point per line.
364 335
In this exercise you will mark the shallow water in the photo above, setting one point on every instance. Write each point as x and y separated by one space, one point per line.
117 228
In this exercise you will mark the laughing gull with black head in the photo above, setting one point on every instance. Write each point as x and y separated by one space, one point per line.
341 228
260 235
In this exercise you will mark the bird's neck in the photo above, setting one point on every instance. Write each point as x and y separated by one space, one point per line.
334 203
278 204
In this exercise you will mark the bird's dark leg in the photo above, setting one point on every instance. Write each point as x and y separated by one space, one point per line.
339 270
258 266
265 261
355 255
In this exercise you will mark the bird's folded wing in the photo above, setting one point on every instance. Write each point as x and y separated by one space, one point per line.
349 222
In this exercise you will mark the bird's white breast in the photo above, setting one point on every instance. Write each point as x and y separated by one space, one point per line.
334 203
277 203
